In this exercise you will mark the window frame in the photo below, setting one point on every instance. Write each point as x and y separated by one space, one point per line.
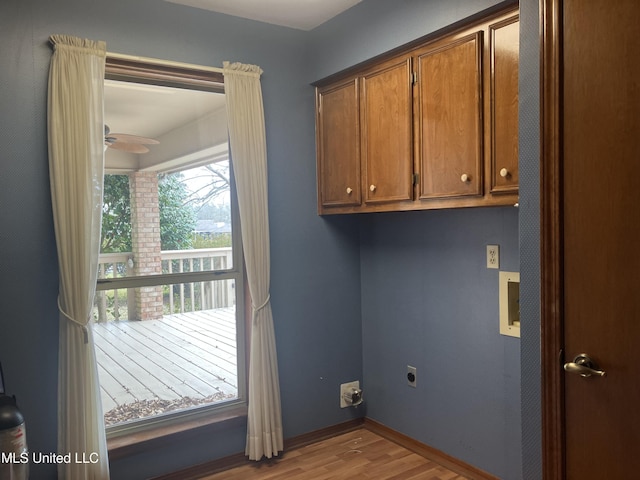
194 77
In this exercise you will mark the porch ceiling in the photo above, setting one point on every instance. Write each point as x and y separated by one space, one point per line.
187 123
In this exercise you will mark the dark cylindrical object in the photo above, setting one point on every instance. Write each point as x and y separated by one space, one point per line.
14 455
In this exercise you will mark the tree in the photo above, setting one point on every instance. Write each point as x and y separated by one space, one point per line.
116 215
216 176
177 217
215 212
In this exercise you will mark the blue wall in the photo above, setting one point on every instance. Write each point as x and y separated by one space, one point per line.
529 171
428 300
373 27
340 285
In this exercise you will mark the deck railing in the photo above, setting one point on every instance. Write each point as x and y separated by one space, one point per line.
179 298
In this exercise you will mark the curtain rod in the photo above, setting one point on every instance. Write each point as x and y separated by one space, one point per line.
167 63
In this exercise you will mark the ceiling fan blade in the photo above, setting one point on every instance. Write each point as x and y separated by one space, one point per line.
126 138
128 147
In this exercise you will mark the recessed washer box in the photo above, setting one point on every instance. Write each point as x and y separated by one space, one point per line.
509 294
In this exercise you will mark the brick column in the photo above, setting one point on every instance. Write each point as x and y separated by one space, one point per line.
145 241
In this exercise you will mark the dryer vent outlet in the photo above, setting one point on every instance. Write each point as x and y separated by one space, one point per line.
350 394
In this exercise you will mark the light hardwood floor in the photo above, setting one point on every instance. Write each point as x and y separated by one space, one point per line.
360 454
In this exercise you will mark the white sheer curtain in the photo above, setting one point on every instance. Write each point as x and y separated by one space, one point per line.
247 139
76 163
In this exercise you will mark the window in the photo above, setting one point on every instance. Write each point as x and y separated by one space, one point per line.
168 316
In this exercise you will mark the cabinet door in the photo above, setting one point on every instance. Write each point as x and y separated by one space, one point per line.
504 46
450 118
338 144
387 133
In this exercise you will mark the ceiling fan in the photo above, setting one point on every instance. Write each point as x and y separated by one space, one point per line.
126 142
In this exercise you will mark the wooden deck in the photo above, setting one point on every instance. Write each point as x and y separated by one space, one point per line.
183 356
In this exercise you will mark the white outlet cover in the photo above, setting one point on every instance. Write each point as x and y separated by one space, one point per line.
346 388
493 256
413 370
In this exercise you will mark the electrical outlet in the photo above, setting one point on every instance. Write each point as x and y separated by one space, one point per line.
346 389
493 256
411 376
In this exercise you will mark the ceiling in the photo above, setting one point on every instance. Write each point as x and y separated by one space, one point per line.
300 14
152 110
187 123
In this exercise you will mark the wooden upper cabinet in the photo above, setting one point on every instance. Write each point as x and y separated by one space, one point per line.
504 52
338 145
386 126
433 124
450 118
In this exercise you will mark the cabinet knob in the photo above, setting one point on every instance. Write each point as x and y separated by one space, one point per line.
349 190
504 172
464 178
372 188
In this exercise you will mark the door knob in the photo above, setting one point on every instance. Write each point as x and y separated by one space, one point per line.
585 367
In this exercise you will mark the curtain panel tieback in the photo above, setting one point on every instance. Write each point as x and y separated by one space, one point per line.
247 140
264 304
85 329
75 125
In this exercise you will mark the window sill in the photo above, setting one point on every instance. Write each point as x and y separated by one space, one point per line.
133 443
